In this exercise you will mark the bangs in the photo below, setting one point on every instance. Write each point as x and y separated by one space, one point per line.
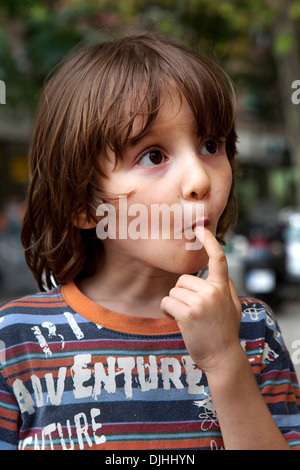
160 72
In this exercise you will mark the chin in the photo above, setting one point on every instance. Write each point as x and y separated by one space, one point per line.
192 263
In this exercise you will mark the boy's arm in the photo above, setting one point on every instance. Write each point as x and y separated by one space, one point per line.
208 313
245 420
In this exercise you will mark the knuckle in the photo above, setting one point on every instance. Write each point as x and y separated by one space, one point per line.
220 257
173 291
194 310
190 314
165 302
184 278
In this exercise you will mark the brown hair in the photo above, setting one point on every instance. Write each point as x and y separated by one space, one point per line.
84 110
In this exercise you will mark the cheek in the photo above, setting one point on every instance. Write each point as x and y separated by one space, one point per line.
227 184
228 177
223 187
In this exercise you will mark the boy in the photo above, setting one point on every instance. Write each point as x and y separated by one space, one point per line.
129 349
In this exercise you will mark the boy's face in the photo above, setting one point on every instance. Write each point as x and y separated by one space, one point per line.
175 180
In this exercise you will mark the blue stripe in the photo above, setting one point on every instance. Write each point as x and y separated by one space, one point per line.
6 446
287 420
27 319
68 397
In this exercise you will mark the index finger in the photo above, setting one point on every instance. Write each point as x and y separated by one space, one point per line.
217 263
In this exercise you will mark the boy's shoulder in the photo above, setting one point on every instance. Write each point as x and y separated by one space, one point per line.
257 314
23 318
255 309
259 326
32 302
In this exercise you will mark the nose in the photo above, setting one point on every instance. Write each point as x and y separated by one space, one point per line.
196 184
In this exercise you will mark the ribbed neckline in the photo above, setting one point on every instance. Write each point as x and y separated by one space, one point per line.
115 321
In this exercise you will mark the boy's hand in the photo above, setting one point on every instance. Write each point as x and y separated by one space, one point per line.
208 312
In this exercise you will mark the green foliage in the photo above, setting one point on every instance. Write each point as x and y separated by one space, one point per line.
284 42
34 37
294 10
238 32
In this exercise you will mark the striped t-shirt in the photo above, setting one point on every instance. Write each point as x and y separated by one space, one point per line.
75 375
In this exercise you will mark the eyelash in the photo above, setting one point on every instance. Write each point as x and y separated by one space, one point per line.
148 152
219 143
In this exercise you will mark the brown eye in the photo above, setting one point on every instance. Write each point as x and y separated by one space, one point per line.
152 158
210 147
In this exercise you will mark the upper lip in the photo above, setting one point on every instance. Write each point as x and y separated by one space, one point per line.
202 222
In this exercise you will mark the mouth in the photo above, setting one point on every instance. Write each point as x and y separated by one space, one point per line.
186 221
201 223
189 231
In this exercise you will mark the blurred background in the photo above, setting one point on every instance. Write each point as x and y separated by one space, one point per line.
258 44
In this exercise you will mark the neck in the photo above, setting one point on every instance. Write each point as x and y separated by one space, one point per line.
129 288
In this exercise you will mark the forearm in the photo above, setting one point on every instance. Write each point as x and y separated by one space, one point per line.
245 420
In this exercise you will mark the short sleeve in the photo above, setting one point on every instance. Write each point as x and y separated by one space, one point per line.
278 382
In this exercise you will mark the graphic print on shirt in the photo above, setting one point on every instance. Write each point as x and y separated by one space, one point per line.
126 377
74 384
209 415
255 312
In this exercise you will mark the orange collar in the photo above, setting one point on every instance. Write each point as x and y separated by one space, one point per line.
116 321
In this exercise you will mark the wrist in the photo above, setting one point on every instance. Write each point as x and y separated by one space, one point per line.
229 368
240 406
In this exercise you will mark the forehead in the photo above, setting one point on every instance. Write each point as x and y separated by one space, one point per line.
174 111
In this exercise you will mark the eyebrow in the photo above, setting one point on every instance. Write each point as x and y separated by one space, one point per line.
145 129
136 139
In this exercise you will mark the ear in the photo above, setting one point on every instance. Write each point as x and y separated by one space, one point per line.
81 221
